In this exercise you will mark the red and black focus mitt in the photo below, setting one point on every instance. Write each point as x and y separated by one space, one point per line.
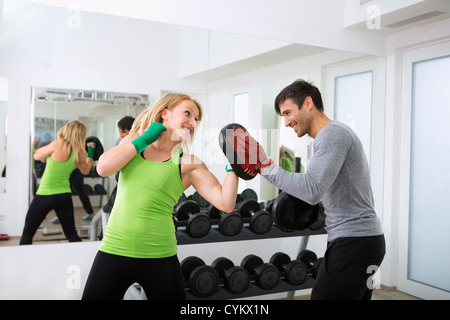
245 155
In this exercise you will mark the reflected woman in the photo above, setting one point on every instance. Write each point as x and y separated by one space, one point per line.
61 156
140 243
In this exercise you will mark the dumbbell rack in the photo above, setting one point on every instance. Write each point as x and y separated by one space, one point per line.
103 179
253 290
215 236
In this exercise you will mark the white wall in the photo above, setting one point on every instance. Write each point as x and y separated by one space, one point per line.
114 66
316 23
105 53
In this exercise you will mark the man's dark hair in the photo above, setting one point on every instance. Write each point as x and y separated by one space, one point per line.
125 123
298 91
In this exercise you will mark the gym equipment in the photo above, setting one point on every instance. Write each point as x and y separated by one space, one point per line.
236 279
181 199
267 276
294 271
98 146
290 213
260 219
198 223
230 224
249 194
200 200
320 221
99 189
88 189
246 194
4 236
229 152
203 280
309 258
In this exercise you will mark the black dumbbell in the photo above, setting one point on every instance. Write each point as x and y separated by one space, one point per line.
99 189
174 214
260 219
268 205
249 194
203 280
236 279
198 223
320 221
294 271
246 194
266 275
88 189
202 202
230 224
309 258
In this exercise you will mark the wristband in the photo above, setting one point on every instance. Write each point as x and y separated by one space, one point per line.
228 167
149 136
91 152
139 144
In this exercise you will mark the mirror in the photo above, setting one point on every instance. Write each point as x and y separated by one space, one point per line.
3 131
150 58
100 111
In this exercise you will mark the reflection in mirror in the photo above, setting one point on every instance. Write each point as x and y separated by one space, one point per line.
3 131
100 111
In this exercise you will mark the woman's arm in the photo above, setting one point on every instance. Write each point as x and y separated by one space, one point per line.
85 165
117 157
223 197
43 152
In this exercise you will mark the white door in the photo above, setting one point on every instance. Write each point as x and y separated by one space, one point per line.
355 94
424 206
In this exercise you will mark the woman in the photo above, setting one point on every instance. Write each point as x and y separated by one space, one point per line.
140 243
61 156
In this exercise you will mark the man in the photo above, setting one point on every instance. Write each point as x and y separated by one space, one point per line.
124 126
338 176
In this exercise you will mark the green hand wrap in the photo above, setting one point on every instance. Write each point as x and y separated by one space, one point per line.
151 135
91 151
228 167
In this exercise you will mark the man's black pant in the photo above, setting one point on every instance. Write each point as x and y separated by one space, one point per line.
347 268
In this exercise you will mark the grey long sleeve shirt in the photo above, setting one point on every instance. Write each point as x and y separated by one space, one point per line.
339 176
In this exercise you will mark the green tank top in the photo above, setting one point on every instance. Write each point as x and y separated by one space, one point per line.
55 179
286 165
140 224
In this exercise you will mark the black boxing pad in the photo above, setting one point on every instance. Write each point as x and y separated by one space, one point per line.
291 213
229 152
98 146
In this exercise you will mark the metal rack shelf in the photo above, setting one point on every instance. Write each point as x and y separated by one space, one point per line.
215 236
252 290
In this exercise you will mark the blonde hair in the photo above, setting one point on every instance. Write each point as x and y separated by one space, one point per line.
74 135
153 114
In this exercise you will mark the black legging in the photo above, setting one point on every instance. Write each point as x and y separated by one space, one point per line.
111 275
41 206
76 180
